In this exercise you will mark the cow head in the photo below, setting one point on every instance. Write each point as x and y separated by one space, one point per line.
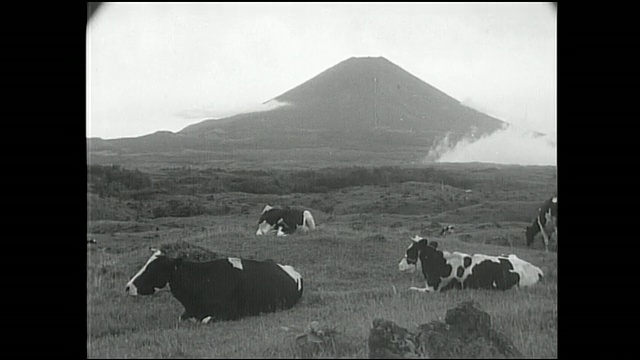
266 208
153 276
416 251
264 228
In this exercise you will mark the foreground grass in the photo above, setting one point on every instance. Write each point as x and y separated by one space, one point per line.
349 281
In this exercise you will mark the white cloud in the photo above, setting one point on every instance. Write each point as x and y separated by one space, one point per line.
508 146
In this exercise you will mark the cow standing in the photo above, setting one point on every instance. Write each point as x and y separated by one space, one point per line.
223 289
285 221
547 219
443 270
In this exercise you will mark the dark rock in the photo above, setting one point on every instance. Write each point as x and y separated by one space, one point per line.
390 341
466 333
468 321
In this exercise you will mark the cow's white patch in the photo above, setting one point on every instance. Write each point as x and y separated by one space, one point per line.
293 274
237 263
529 273
554 199
266 208
206 320
308 223
544 235
426 288
264 228
404 266
416 238
131 289
280 232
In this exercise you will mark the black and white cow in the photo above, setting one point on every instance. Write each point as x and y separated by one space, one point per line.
284 222
446 230
443 270
222 289
545 222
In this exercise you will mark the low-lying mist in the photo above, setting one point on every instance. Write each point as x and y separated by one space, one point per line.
507 146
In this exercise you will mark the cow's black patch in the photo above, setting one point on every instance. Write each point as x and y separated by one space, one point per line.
510 277
467 261
490 274
219 290
434 264
460 271
548 207
287 219
453 284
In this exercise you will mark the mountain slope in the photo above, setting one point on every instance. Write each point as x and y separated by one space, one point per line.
360 94
362 109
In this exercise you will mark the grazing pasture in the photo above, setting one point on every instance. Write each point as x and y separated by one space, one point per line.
349 264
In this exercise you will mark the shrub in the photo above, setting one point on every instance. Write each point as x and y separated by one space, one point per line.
176 208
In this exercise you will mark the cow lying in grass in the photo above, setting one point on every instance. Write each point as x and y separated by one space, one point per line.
223 289
284 222
443 270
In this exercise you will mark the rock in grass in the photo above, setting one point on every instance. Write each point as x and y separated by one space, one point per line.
466 333
390 341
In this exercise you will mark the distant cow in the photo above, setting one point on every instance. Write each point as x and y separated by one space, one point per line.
443 270
446 230
222 289
91 241
284 222
546 221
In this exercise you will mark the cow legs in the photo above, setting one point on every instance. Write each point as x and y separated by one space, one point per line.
426 288
544 235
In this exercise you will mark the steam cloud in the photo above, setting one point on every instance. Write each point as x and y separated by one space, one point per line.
507 146
200 113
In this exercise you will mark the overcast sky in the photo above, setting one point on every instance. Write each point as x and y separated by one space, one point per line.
163 66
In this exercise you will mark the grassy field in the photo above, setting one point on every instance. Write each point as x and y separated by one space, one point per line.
349 266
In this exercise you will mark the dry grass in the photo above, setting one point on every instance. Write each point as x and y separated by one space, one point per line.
349 281
349 265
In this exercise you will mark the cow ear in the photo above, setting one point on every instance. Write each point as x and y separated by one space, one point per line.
434 244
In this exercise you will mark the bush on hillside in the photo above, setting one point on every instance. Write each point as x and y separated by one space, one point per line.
114 181
176 208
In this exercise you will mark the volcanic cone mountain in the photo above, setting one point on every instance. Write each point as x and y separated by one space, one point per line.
361 108
354 98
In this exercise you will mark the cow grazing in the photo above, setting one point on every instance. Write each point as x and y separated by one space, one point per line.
284 222
222 289
545 222
443 270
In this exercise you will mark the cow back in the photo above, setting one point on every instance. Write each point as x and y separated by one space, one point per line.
228 290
